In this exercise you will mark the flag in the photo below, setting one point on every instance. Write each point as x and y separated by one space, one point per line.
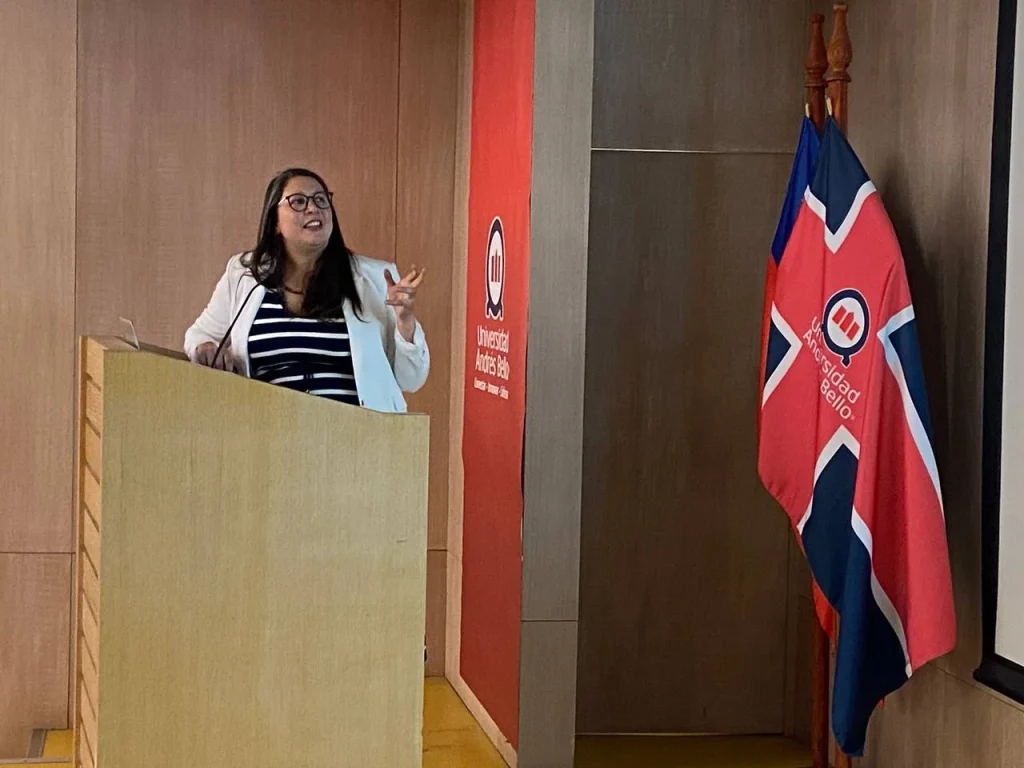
773 343
845 438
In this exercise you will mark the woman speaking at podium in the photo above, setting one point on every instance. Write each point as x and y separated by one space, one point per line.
302 311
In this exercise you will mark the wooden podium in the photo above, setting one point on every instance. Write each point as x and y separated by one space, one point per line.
251 572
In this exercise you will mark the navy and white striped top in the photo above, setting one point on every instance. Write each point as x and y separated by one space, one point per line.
300 353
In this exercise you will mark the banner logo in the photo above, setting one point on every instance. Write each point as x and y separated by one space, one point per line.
495 273
845 324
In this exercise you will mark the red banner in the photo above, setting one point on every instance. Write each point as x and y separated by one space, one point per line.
496 314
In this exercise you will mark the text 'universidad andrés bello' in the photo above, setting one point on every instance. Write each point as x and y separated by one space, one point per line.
492 360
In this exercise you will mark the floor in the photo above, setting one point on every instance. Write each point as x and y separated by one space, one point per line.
689 752
58 744
452 739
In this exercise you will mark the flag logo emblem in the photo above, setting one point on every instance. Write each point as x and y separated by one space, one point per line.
845 323
495 273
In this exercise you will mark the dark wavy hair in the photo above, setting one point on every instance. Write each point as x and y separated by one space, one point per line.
333 278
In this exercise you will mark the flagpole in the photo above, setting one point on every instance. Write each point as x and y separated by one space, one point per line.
837 78
815 65
826 71
840 54
819 701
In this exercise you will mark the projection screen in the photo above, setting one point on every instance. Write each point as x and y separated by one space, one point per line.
1002 666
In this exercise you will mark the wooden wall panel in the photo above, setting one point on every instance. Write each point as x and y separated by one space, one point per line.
799 674
683 605
187 108
460 254
547 689
427 104
560 205
710 74
942 721
555 370
427 114
696 112
35 641
37 272
890 743
437 590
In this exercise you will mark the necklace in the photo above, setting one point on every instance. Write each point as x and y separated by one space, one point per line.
292 290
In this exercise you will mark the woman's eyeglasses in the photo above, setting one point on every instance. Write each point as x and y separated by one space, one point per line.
299 201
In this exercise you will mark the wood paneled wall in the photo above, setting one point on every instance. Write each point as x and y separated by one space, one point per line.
921 121
35 648
37 315
186 110
688 620
37 272
555 371
427 117
181 112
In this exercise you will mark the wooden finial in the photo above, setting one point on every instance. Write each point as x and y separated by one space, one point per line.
840 54
815 64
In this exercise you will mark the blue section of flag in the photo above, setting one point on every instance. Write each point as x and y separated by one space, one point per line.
837 182
826 535
904 341
799 178
778 346
869 658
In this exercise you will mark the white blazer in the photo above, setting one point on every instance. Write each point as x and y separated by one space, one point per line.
385 363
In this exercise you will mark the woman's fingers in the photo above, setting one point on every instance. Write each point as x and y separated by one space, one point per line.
414 278
205 352
402 295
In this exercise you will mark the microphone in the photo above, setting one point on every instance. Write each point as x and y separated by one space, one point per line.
227 335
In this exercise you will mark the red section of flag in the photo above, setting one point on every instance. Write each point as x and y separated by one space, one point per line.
895 497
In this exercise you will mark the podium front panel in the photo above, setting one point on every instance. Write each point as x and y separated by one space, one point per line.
252 572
